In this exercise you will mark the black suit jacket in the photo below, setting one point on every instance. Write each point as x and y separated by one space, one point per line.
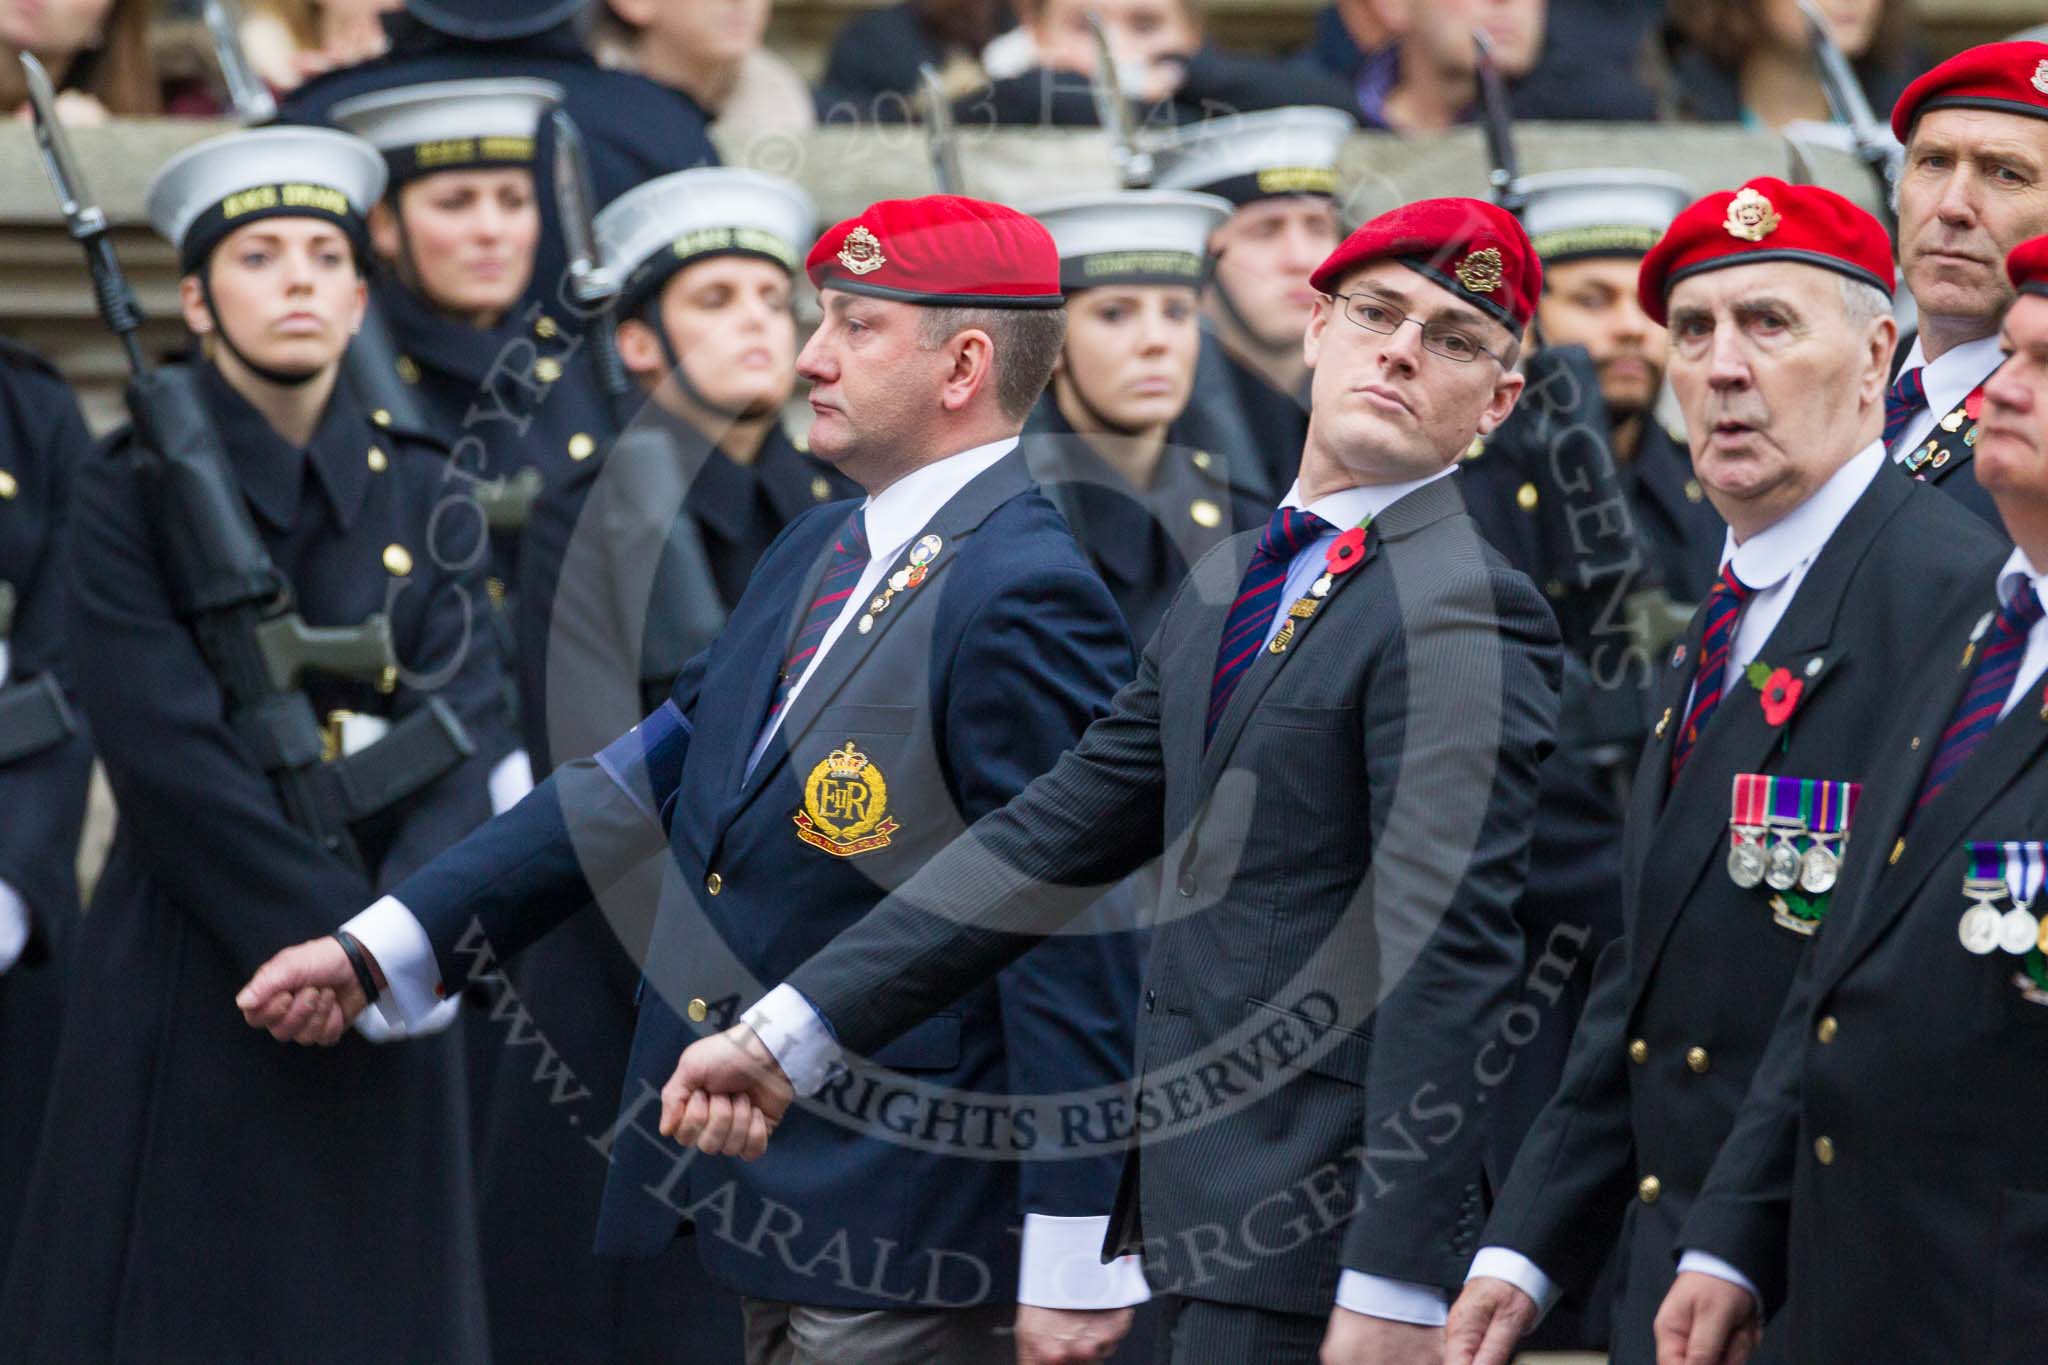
1335 933
1924 1234
1683 1005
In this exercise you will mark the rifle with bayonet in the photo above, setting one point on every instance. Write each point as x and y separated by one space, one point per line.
1875 146
34 716
939 134
1113 112
247 94
221 578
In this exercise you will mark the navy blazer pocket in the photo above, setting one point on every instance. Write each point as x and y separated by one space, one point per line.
933 1045
2019 1296
1342 1057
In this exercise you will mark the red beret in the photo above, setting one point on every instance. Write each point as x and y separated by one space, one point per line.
942 249
2009 78
1766 220
2027 266
1470 247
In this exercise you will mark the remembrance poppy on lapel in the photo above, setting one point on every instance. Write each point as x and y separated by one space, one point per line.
1345 551
1778 691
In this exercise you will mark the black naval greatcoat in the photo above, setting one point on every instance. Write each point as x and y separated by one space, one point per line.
201 1192
1885 1184
1683 1003
43 442
1234 397
679 538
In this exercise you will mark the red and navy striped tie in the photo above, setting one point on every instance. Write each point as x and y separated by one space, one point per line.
1906 396
1723 608
842 576
1258 599
1998 668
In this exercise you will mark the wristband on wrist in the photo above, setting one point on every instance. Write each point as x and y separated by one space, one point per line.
359 961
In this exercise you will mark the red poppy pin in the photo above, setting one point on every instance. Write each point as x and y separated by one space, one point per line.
1973 406
1345 551
1778 691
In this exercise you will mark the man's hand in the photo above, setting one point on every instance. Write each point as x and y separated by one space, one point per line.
727 1095
306 994
1062 1336
1706 1320
1356 1339
1489 1317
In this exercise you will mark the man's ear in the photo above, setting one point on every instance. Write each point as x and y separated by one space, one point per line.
1881 343
1505 391
1318 322
973 356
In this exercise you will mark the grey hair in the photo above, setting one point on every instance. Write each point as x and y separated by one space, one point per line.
1863 302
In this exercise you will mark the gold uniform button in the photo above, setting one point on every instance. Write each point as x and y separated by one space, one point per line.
382 417
581 447
697 1010
1203 459
1525 497
545 326
1826 1029
821 491
408 369
398 560
379 462
8 486
714 883
1639 1052
1649 1188
1824 1150
1205 514
1693 491
1696 1058
547 369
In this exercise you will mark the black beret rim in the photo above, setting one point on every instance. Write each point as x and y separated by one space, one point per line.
932 300
1821 259
1989 102
2039 288
1480 301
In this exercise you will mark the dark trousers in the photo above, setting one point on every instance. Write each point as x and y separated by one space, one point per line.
1198 1332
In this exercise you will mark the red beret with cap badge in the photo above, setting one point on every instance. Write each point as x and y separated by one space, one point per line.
2027 266
2007 78
943 250
1472 248
1766 220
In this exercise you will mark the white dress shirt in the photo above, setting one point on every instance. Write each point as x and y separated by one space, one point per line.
2020 575
1773 562
1948 381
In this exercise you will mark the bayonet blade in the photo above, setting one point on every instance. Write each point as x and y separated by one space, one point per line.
1113 112
939 133
1505 173
74 200
575 202
246 91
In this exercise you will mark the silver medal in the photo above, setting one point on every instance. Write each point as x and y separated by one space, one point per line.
1818 870
1979 929
1781 867
2017 930
1746 860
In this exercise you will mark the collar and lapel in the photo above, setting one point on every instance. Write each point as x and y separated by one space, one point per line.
953 524
1689 818
272 471
1949 446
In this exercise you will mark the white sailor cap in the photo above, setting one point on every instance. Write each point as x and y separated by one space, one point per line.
1136 237
451 125
211 189
1574 214
1244 157
653 230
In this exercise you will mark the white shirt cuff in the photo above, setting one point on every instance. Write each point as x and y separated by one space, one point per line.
1395 1300
796 1036
376 1026
510 781
1706 1263
1503 1263
14 926
1062 1266
412 978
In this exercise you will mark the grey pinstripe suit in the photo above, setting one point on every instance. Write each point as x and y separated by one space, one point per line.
1335 937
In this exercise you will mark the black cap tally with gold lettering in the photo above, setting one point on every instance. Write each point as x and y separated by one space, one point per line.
1572 215
653 230
1245 157
1136 237
468 125
224 183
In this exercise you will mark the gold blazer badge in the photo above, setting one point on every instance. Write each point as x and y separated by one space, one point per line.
846 805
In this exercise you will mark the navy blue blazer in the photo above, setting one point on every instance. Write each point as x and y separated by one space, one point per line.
966 687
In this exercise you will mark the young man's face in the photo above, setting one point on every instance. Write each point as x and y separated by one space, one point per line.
1264 255
1592 303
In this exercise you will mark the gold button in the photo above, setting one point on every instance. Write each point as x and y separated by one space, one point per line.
1696 1058
1555 587
1824 1150
8 486
697 1010
547 369
821 490
545 326
714 883
1639 1052
1475 450
378 461
1205 513
581 446
1203 459
1827 1028
398 559
382 417
1915 744
408 370
1693 491
1649 1188
1897 849
1525 497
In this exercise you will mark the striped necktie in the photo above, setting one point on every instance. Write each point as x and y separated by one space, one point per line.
842 576
1998 668
1723 609
1906 396
1258 599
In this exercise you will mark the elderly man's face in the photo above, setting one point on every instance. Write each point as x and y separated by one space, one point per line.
1975 186
874 388
1776 383
1385 406
2012 439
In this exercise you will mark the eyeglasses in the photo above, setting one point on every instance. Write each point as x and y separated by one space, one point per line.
1451 340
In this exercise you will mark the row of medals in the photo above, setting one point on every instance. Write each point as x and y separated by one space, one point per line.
1983 928
1783 866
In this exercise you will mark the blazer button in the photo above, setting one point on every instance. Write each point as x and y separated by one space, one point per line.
1188 883
697 1009
1696 1058
1827 1028
1150 996
1824 1150
1649 1188
714 883
1639 1052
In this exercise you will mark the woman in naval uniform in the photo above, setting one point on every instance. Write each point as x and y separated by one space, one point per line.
1115 442
201 1193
